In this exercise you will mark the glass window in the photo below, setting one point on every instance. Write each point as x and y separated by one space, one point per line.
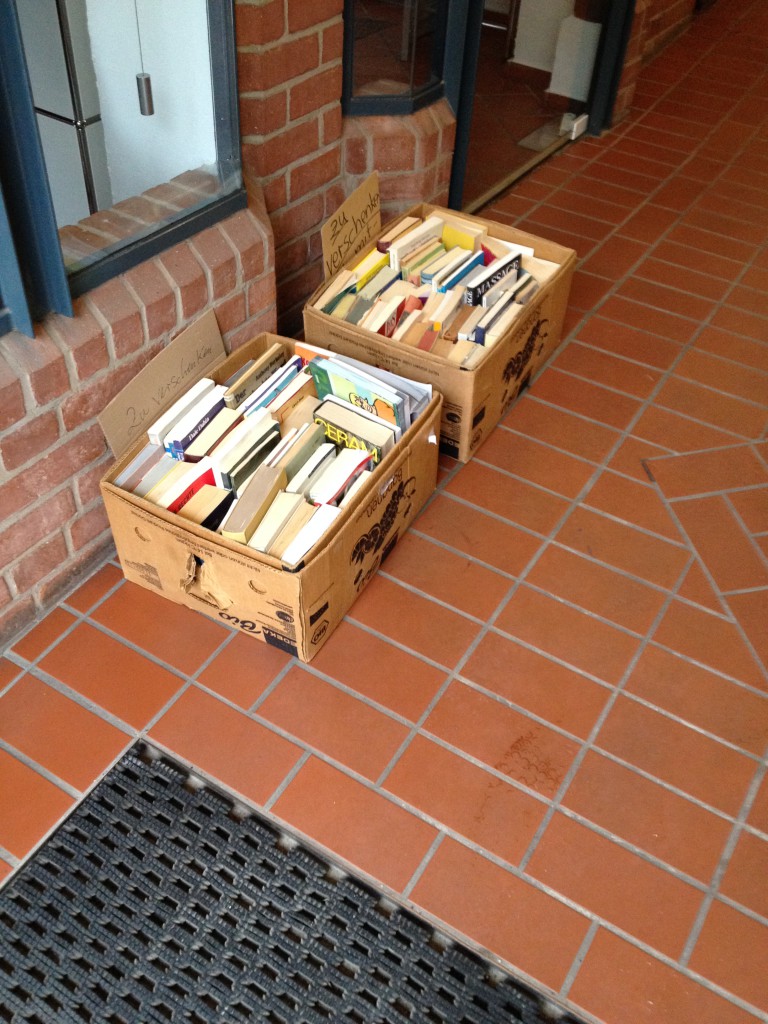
393 54
136 108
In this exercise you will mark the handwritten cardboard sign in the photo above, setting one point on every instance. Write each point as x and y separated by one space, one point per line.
190 356
352 227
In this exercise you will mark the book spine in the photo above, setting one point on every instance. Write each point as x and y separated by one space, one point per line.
180 445
347 439
473 295
194 487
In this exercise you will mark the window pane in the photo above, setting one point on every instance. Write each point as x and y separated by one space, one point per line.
120 172
395 44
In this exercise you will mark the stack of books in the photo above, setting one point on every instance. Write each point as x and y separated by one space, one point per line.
270 457
439 283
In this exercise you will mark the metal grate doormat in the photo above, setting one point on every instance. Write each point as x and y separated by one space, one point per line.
153 902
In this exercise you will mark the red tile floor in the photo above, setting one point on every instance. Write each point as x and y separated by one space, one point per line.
545 722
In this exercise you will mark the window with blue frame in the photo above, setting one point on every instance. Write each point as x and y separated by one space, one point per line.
394 52
122 139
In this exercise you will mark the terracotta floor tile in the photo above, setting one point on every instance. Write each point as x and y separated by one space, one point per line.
696 587
679 433
677 755
568 634
616 978
560 428
630 342
725 375
721 410
752 508
752 233
738 321
478 535
409 619
630 454
182 638
512 499
226 745
723 546
448 576
95 587
587 290
732 950
370 832
47 632
747 298
671 326
68 740
504 739
648 223
495 909
684 278
586 399
627 891
8 672
333 722
730 346
701 697
243 670
758 812
624 547
535 683
648 816
30 806
707 264
669 299
480 806
703 472
634 502
608 370
729 247
536 462
710 640
597 589
615 256
744 879
5 869
120 680
751 611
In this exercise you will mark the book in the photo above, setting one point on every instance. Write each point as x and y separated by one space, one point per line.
461 271
207 439
506 286
251 505
319 523
419 394
354 487
333 483
238 443
302 480
445 265
460 232
283 506
272 386
139 466
412 264
175 490
384 317
484 278
195 419
405 243
156 431
208 506
346 426
155 474
303 413
289 396
295 522
369 265
309 352
334 378
493 314
237 475
328 298
306 440
253 375
403 225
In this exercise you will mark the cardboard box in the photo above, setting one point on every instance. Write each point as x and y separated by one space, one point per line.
294 610
474 400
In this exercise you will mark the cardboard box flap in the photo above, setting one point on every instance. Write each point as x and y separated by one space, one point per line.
195 353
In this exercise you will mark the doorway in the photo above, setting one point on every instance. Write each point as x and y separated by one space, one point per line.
543 75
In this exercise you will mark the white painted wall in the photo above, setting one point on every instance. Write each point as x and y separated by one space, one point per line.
145 151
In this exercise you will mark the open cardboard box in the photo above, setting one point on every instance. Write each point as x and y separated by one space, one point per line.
474 400
294 610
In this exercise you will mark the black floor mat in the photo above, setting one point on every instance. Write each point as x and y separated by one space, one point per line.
154 903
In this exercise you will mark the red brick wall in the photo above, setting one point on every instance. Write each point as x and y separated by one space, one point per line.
53 528
664 19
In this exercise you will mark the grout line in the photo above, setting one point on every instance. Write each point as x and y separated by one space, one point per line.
437 842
